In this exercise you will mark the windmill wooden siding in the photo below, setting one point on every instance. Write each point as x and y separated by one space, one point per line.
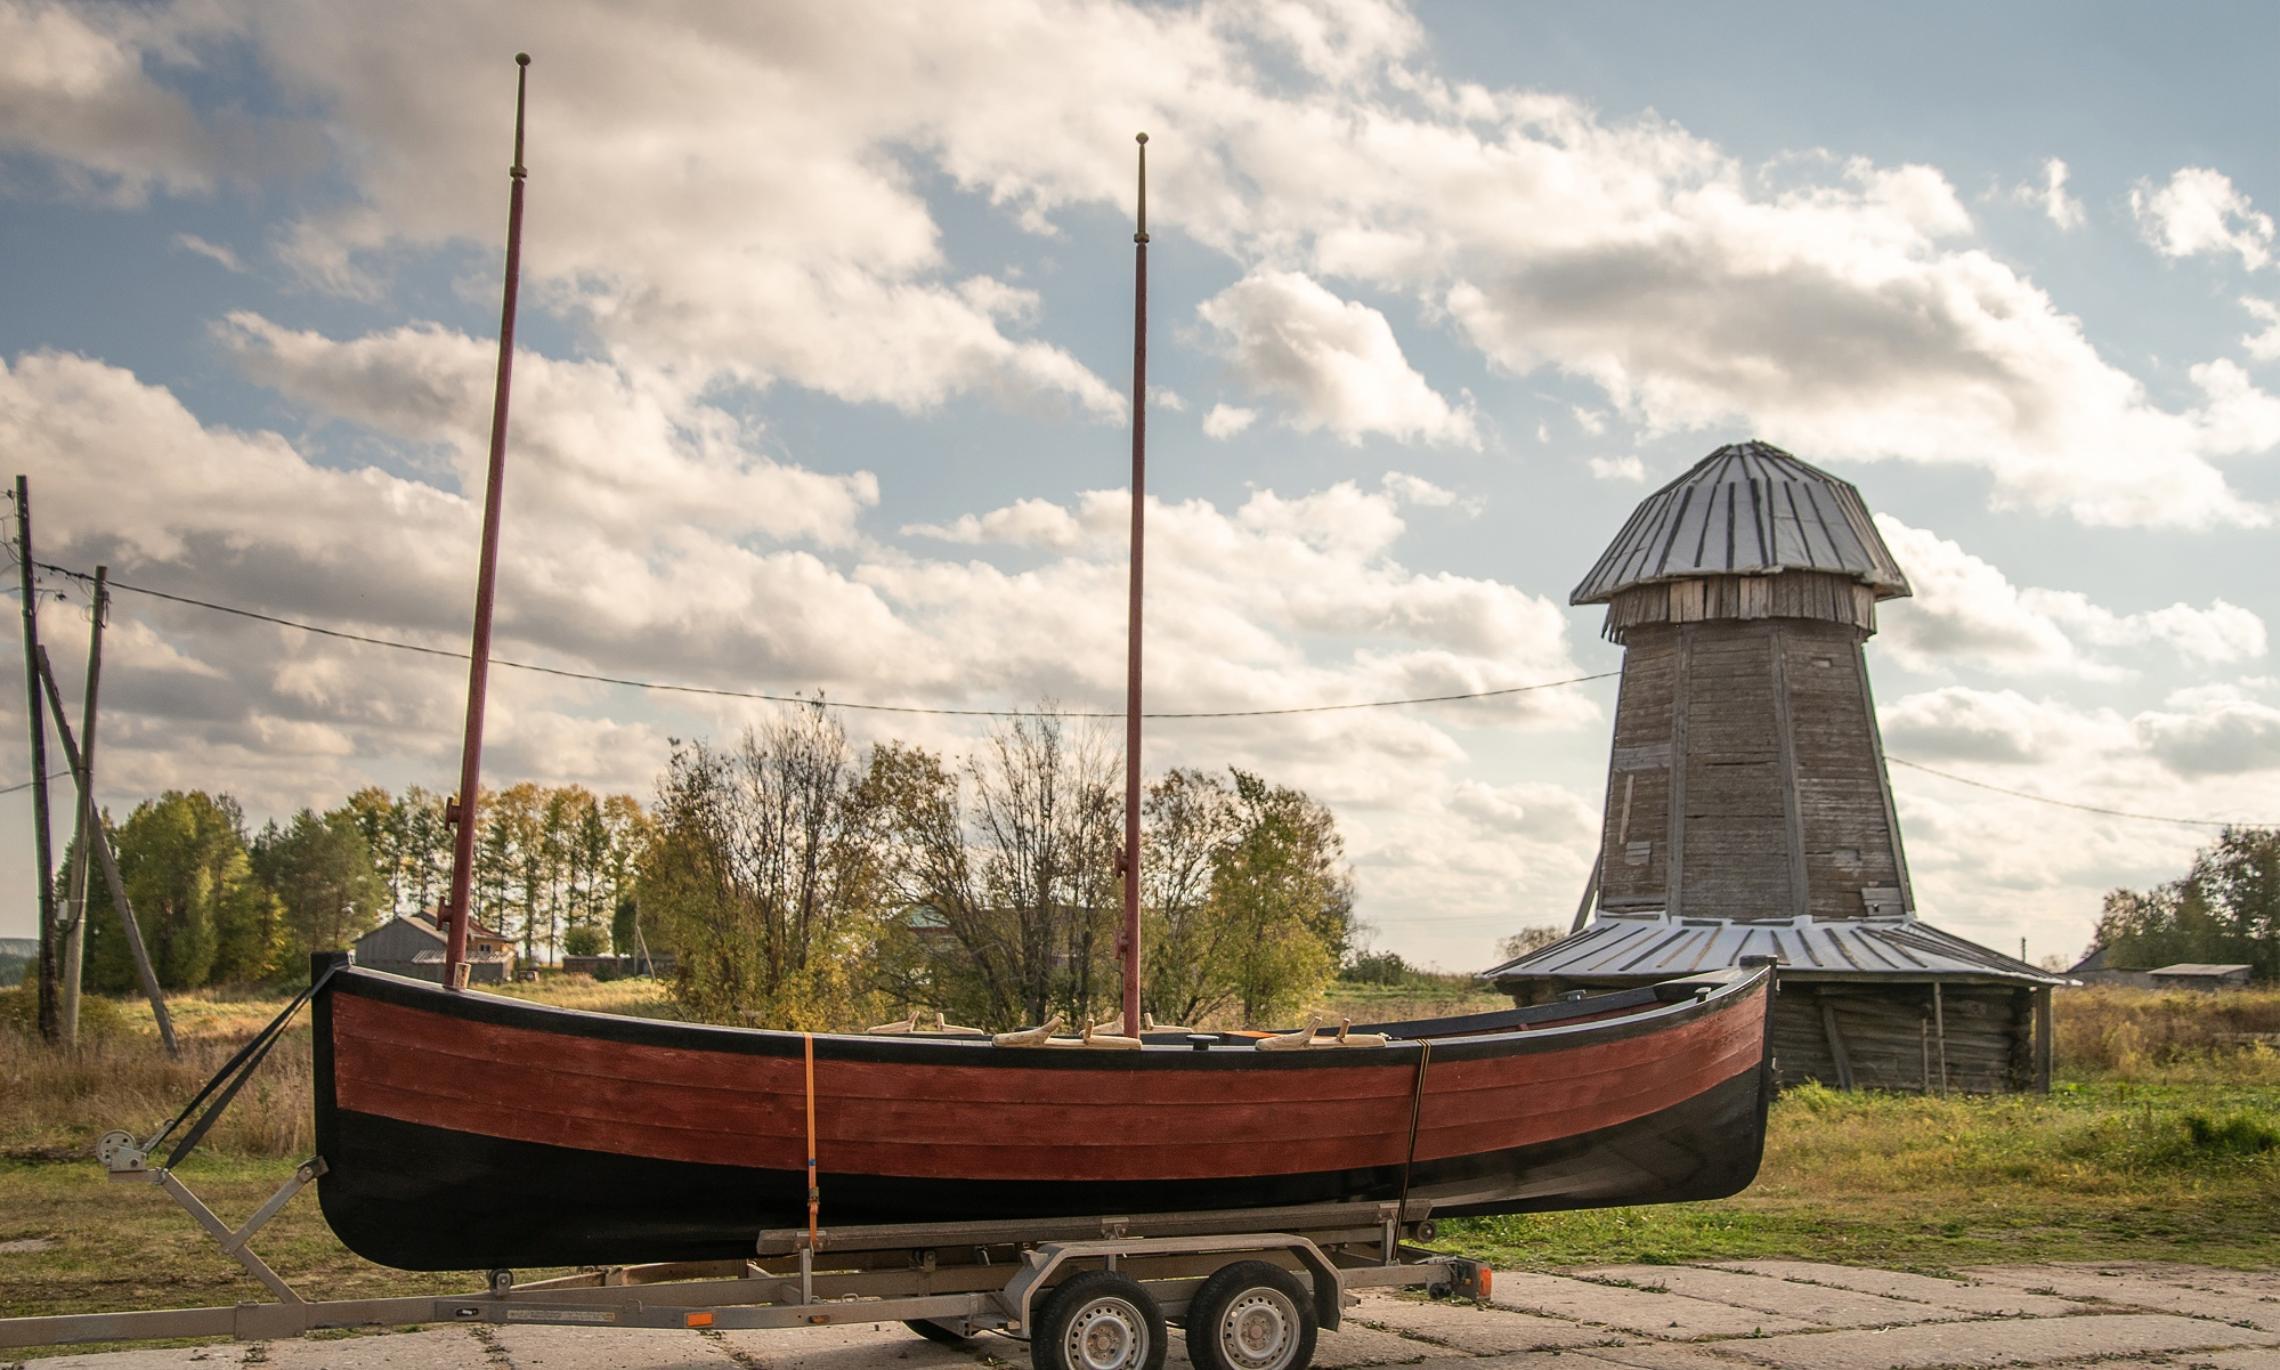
1748 808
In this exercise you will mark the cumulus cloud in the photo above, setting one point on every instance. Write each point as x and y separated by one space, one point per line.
2051 197
217 253
75 93
2264 344
1226 420
1334 363
1958 722
1276 600
1423 493
1966 614
1024 523
760 216
593 442
1628 469
2201 211
2213 730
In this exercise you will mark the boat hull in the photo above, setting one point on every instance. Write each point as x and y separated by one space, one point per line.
469 1131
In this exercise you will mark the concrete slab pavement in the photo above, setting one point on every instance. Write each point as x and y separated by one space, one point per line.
1741 1315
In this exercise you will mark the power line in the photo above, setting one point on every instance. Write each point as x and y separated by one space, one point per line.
562 672
23 785
2070 804
669 687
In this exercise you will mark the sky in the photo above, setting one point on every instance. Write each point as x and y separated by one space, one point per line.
824 367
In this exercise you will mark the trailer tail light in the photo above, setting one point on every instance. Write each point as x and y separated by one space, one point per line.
697 1320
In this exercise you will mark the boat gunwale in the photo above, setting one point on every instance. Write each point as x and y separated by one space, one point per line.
629 1030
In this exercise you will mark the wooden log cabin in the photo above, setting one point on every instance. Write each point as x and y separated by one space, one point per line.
1748 807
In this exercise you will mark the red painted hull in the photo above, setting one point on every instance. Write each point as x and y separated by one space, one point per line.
637 1141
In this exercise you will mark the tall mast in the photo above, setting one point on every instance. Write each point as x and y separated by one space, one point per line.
1131 861
461 813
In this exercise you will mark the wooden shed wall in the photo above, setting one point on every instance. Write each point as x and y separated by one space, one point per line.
394 941
1889 1031
1892 1036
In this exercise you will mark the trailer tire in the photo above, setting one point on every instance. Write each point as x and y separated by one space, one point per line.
937 1333
1251 1316
1100 1320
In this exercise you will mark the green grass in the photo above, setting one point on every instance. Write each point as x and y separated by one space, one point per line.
2095 1171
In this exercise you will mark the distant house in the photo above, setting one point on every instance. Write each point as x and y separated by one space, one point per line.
412 945
17 955
2098 968
2196 975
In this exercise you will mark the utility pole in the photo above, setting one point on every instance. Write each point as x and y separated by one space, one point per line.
43 857
110 860
74 929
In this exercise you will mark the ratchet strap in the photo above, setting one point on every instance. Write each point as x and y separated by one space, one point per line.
235 1072
814 1194
1416 1112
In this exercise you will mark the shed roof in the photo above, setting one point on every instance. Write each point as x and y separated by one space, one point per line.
2200 968
420 922
1659 947
1747 509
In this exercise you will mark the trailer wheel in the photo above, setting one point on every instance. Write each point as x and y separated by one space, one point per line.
1099 1320
1251 1316
936 1332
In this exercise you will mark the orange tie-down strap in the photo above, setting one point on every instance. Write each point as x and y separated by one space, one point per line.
815 1194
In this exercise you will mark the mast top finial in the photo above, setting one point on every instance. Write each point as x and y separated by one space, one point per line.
522 82
1142 235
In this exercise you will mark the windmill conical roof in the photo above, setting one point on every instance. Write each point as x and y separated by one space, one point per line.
1748 509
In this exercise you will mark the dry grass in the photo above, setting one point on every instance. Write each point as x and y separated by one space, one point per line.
639 998
54 1104
2112 1032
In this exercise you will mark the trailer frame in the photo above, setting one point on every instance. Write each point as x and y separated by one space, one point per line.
956 1279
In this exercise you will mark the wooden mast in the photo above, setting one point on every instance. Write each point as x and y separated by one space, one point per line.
1131 854
461 812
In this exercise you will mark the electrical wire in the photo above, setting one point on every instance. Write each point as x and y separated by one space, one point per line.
2070 804
23 785
669 687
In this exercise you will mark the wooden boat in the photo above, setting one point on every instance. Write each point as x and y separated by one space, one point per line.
463 1130
555 1137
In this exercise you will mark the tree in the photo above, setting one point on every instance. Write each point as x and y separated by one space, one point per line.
2225 909
764 875
1191 821
1526 940
1011 860
1284 884
204 916
424 851
320 868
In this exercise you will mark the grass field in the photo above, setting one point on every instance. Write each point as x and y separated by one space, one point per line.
2161 1142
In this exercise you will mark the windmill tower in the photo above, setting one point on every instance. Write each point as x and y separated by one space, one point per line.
1749 810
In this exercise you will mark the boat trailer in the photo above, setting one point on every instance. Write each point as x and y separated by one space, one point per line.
1251 1286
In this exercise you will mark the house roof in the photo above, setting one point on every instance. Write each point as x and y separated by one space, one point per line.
1659 947
2200 968
1747 509
422 923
